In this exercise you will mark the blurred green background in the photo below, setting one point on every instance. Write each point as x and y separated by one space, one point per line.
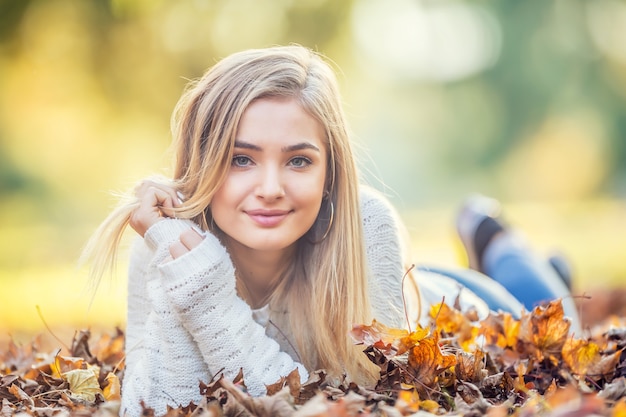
521 100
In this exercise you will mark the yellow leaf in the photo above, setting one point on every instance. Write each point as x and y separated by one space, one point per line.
585 359
429 405
408 400
113 390
580 355
83 383
447 319
63 364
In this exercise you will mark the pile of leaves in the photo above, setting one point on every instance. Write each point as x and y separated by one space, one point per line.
459 365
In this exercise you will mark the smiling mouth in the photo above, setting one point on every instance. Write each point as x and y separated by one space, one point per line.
267 218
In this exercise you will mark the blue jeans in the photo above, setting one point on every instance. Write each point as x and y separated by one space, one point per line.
516 278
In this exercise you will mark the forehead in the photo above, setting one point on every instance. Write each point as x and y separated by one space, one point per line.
279 119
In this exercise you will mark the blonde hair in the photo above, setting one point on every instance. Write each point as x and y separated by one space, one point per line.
325 289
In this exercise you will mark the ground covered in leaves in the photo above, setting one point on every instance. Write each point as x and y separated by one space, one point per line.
459 365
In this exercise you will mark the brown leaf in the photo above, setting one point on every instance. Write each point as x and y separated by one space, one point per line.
470 366
110 349
20 395
545 330
292 381
80 345
278 405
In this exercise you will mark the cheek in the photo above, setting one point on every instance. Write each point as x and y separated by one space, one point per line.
222 204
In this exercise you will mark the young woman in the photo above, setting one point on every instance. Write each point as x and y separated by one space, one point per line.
262 250
273 251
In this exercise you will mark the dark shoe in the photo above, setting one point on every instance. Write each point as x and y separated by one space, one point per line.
477 223
563 268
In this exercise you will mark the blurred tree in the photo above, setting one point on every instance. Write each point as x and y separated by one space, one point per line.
11 12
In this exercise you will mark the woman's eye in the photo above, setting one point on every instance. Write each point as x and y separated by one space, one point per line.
300 162
241 161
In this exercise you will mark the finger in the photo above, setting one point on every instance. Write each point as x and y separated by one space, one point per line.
148 186
177 249
165 203
160 199
152 207
191 238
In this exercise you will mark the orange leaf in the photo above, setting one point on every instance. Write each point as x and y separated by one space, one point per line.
64 364
110 350
387 339
427 360
545 329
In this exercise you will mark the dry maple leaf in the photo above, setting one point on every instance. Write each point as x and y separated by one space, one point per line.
389 341
110 349
427 361
64 364
449 320
579 355
544 330
470 366
292 381
497 329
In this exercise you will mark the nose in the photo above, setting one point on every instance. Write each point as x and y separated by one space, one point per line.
270 184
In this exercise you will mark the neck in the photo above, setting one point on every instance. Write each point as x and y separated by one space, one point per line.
258 272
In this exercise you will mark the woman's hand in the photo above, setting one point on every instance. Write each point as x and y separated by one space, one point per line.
155 202
188 240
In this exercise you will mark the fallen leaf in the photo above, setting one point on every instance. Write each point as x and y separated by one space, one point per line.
545 330
113 389
427 361
83 383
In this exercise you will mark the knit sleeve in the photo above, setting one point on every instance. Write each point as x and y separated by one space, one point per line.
383 246
200 287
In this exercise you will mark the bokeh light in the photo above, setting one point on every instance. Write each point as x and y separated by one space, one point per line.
520 100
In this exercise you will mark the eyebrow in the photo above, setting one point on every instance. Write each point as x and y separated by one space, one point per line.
290 148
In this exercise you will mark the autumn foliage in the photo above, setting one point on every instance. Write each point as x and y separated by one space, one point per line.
458 365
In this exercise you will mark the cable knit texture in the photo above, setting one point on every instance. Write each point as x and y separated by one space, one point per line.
186 321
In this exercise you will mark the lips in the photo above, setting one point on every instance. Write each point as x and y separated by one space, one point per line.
267 218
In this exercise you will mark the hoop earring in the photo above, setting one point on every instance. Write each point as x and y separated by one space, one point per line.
330 224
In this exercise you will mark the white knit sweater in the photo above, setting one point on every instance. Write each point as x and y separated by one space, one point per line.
186 321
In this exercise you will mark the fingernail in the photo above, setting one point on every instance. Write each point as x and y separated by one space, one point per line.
198 230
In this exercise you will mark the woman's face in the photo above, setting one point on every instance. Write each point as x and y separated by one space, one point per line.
275 185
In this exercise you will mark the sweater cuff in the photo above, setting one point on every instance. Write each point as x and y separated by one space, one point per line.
205 256
165 231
